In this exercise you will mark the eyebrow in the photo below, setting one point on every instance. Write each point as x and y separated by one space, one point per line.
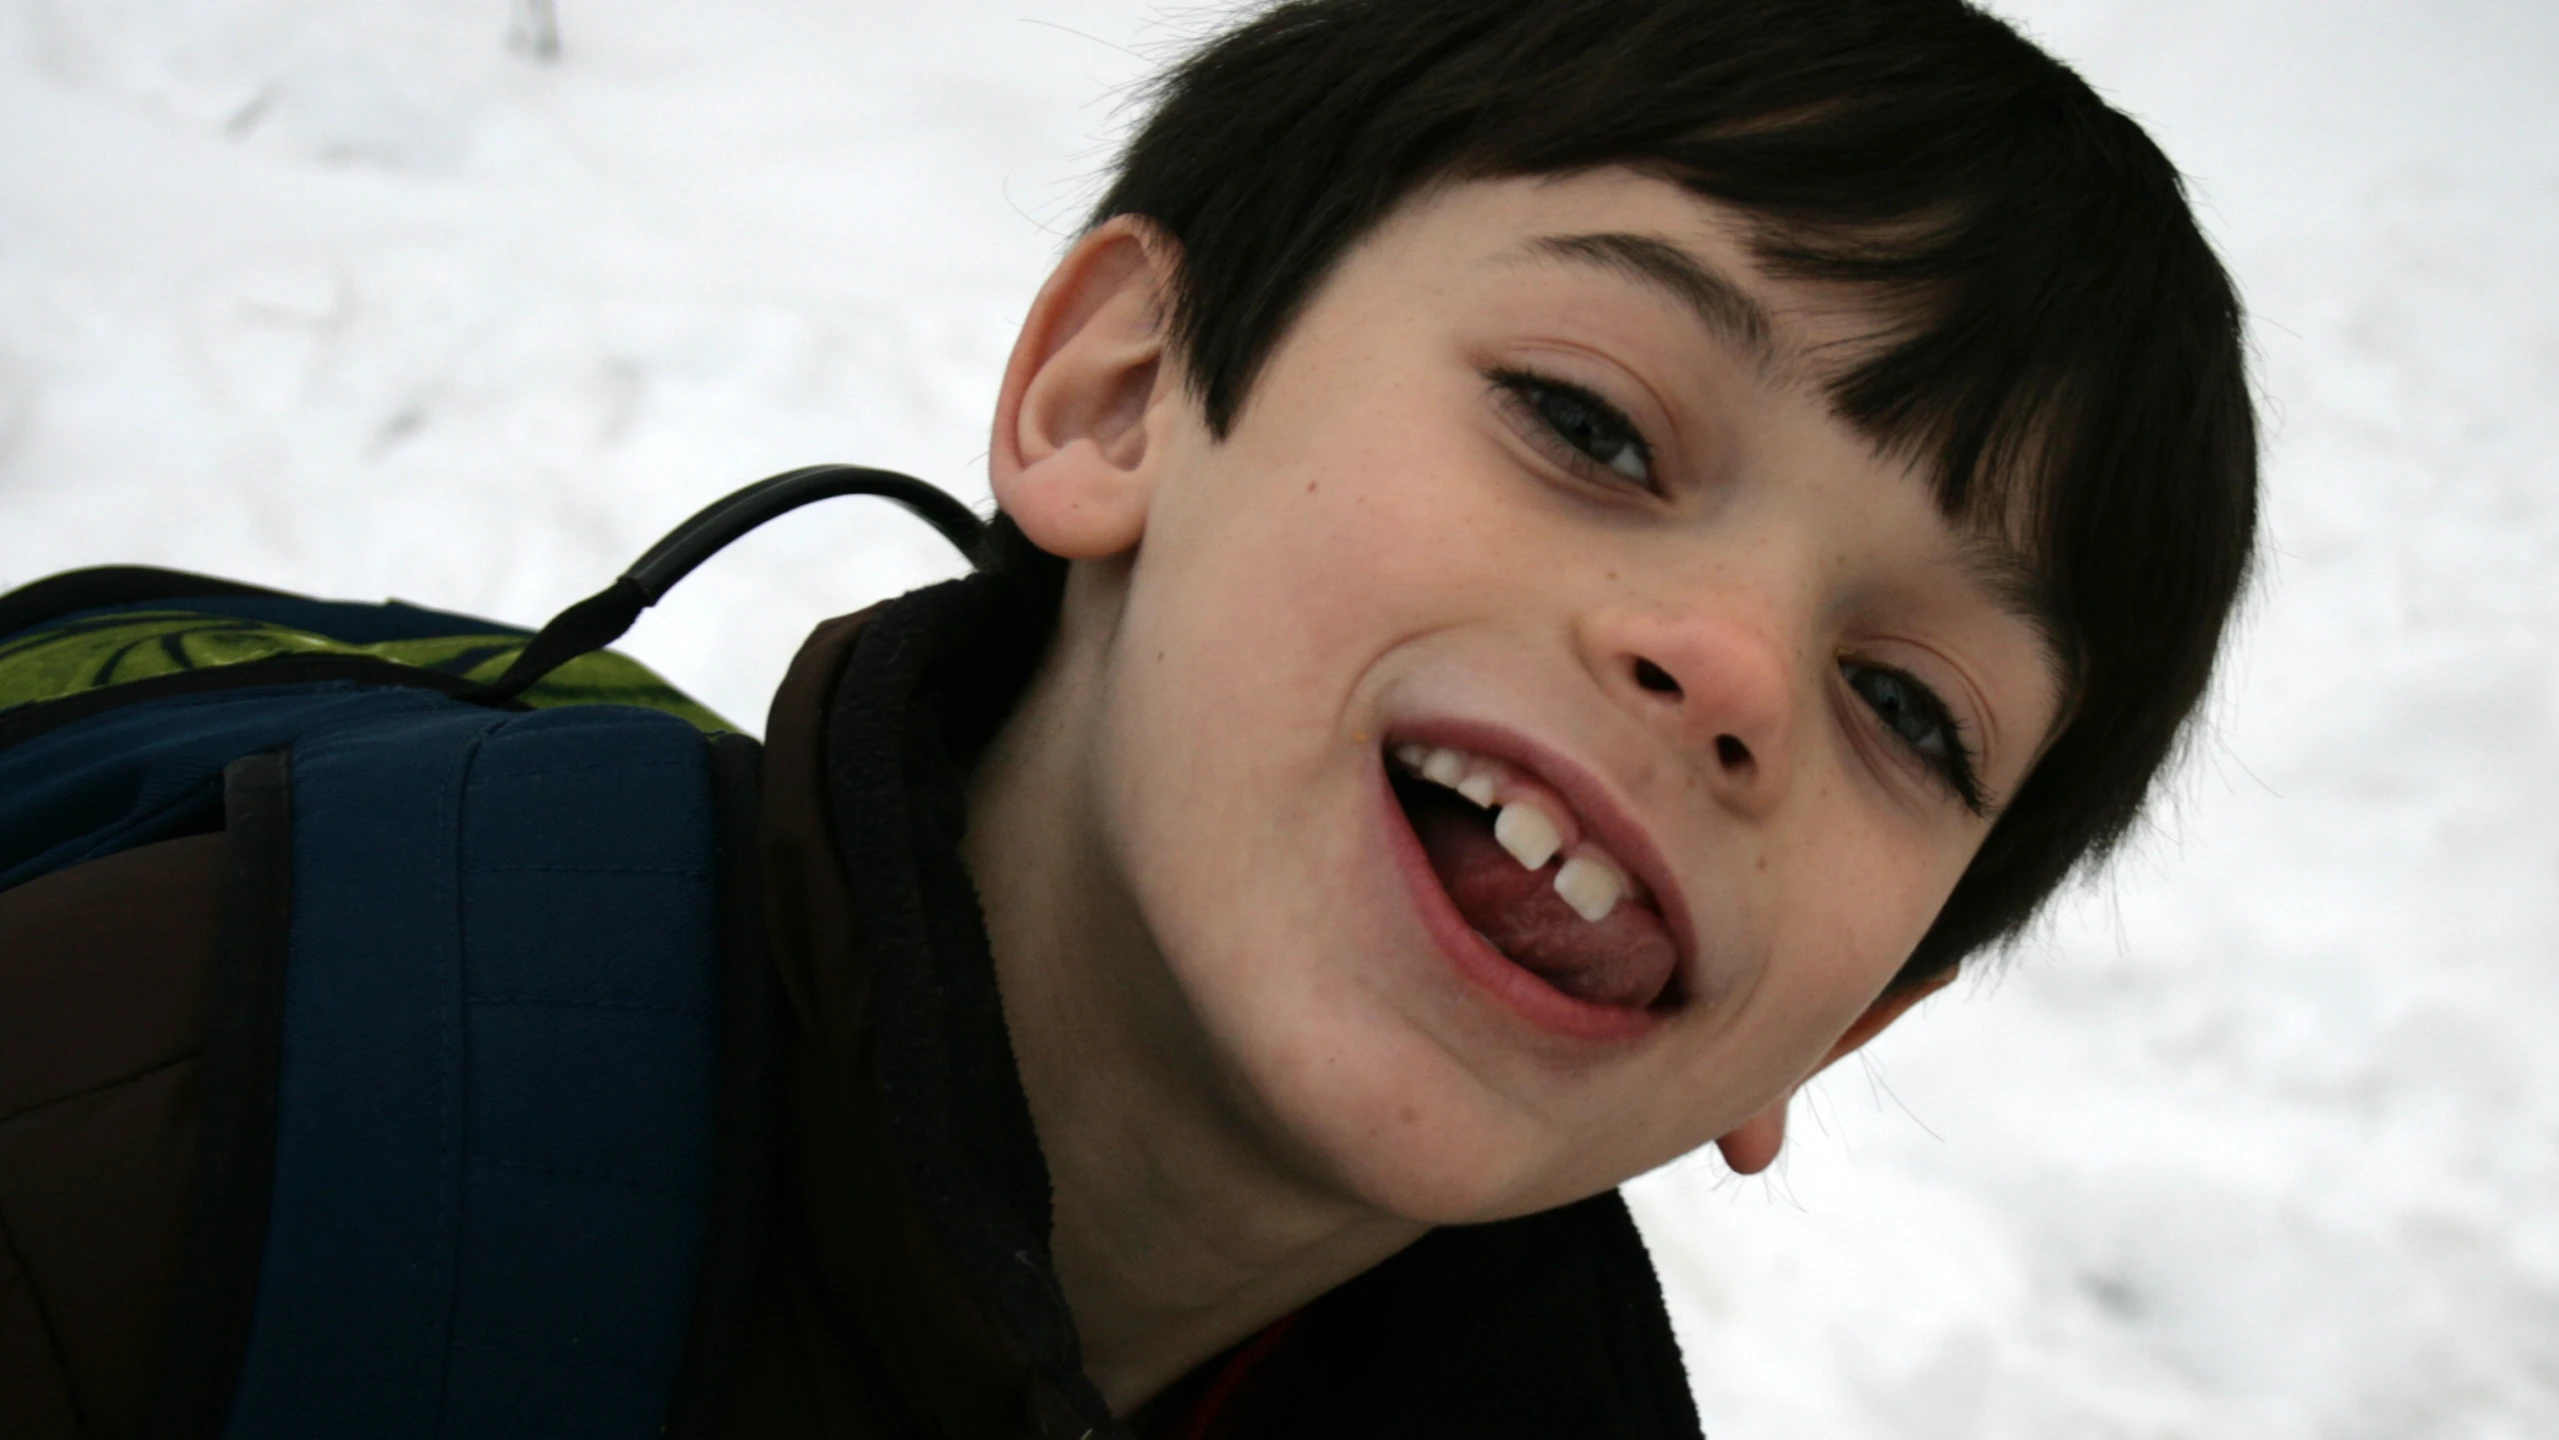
1721 305
2022 591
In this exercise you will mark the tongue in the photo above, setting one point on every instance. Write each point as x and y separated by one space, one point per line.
1625 959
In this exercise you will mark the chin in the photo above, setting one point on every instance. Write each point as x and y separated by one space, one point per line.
1366 1104
1449 1164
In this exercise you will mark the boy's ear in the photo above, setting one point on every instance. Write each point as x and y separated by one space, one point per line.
1753 1146
1078 425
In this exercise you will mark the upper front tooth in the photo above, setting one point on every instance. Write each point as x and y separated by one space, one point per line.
1590 885
1478 787
1529 833
1411 754
1444 766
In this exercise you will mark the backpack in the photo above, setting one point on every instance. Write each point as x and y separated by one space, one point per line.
487 1078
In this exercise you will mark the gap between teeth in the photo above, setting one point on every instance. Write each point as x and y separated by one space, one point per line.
1588 880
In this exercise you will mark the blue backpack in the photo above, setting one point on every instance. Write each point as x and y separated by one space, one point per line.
487 1081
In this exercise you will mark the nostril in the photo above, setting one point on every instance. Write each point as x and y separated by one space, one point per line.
1654 678
1732 752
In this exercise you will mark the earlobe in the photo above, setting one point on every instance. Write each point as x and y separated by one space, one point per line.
1753 1146
1076 445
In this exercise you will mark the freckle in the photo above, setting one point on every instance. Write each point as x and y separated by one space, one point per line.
1410 1115
1310 487
1763 863
1159 657
1359 737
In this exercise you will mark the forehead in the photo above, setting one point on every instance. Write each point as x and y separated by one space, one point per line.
1553 241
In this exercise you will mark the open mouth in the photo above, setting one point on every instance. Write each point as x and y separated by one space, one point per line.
1515 864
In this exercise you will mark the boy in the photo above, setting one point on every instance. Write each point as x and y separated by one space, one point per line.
1562 564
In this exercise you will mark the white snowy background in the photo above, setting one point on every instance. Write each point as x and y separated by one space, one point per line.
2258 1138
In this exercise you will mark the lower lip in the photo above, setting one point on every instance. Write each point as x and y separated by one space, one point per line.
1541 1004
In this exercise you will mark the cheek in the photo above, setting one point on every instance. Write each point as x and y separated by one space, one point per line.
1298 557
1230 727
1859 894
1351 483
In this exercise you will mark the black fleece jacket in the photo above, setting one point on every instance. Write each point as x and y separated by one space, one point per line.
910 1113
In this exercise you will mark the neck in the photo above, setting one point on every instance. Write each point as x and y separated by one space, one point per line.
1183 1224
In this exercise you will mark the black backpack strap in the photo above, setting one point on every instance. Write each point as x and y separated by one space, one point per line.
208 1324
599 619
750 1098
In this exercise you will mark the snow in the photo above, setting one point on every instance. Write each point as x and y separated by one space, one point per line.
2255 1138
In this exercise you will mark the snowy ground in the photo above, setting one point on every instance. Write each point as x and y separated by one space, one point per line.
2260 1139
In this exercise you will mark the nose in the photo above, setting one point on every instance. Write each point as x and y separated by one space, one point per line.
1716 680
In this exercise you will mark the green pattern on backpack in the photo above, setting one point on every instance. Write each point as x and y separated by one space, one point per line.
116 649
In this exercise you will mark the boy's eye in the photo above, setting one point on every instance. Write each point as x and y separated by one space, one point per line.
1594 431
1919 720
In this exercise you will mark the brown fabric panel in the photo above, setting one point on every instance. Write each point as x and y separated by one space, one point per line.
94 1193
103 969
103 974
35 1395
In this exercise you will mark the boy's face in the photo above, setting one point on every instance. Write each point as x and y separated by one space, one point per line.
1542 477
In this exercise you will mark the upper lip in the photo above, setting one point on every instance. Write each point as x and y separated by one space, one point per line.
1602 817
